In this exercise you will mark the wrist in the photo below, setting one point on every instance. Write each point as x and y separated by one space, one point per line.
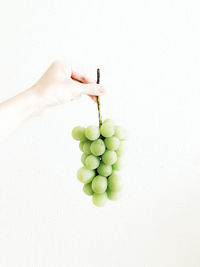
33 103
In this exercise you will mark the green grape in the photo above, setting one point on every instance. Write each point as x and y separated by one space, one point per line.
118 164
83 157
99 199
81 145
92 132
97 147
85 176
78 133
112 143
115 172
92 162
115 183
107 129
87 189
122 148
104 170
109 121
113 195
109 157
120 132
86 147
99 184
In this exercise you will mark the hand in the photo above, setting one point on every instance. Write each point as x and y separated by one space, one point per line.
61 83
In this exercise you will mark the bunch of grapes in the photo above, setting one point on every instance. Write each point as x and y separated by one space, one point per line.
102 149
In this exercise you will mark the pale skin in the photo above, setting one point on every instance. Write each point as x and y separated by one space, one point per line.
60 84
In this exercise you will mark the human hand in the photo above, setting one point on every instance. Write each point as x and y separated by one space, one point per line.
62 83
59 84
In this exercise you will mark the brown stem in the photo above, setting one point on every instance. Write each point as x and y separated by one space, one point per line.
98 99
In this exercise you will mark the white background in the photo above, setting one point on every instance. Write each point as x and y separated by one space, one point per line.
149 55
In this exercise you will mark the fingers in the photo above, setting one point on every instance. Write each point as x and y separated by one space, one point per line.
71 71
93 97
81 76
93 89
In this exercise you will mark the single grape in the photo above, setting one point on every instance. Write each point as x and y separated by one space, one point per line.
78 133
118 164
86 147
113 195
122 148
83 157
120 132
109 157
81 145
85 176
87 188
99 184
99 199
107 129
115 172
92 162
104 170
109 121
92 132
112 143
97 147
115 183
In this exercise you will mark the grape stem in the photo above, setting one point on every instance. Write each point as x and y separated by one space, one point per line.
98 99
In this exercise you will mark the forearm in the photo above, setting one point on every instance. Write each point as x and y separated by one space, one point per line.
16 110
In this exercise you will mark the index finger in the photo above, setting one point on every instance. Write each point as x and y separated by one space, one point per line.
81 76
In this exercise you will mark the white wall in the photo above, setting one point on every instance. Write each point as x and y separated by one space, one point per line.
149 55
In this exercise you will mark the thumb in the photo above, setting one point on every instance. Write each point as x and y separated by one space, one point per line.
93 89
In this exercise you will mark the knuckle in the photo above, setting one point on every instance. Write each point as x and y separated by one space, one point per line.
58 62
